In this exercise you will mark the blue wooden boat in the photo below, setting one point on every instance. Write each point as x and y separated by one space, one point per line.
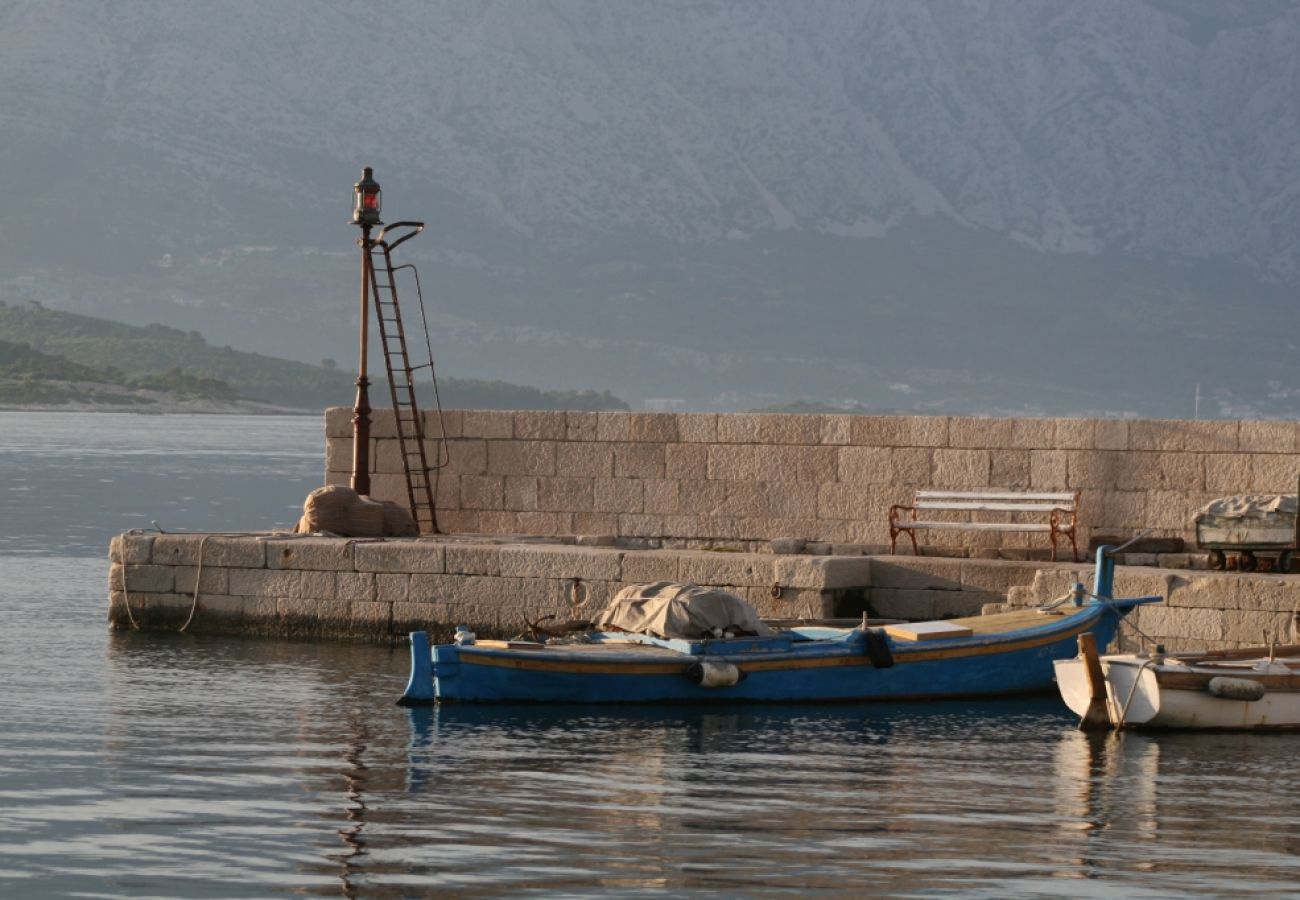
998 654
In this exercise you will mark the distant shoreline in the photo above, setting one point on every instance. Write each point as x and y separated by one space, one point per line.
166 408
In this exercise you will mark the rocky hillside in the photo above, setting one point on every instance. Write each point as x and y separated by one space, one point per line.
896 202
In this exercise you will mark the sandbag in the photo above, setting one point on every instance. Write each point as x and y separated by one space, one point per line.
338 509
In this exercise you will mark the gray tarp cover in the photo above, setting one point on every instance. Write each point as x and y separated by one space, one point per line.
1250 506
668 609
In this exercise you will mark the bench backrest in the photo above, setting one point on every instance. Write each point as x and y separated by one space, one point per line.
997 501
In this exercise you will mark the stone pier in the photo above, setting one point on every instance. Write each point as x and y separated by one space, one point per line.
617 498
377 590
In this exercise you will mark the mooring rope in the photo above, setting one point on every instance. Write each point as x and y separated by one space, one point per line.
198 575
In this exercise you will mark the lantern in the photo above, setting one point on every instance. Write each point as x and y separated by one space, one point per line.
366 200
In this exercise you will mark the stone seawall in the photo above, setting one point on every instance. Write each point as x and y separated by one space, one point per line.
378 590
695 480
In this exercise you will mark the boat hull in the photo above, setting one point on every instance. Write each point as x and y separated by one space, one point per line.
1141 693
1015 662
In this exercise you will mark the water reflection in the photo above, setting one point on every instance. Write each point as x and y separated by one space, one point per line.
176 765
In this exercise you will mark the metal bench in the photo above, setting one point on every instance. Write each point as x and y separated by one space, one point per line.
1059 509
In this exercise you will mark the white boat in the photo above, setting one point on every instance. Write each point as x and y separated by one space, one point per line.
1255 689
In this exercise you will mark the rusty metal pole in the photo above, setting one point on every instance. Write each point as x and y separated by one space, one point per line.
366 204
361 409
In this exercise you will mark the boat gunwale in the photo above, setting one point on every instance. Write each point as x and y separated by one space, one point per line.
593 658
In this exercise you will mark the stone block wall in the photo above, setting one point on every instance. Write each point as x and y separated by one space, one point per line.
1200 610
283 585
703 479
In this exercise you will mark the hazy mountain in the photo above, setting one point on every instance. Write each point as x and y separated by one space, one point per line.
964 206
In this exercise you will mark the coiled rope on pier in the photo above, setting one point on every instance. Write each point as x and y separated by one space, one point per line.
198 575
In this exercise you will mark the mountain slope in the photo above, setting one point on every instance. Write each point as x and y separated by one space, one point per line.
723 202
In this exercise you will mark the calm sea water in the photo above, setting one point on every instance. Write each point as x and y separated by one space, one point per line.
177 766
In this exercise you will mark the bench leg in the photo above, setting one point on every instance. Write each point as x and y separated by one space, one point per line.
893 540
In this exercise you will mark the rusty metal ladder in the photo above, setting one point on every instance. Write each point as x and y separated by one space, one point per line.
420 488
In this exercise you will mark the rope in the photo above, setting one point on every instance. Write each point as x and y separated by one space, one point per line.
198 579
1137 677
198 575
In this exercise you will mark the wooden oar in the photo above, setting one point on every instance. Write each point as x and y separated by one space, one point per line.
1097 715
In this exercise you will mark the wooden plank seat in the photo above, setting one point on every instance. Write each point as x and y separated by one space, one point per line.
1023 511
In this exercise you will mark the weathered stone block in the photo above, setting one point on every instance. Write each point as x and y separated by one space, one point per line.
881 431
847 501
823 572
1254 627
661 496
586 460
1010 468
618 495
174 550
1275 473
131 548
520 493
686 462
740 428
400 555
1266 437
234 552
264 583
602 523
702 498
911 604
1048 469
144 579
488 424
976 433
386 457
213 610
545 523
566 494
912 466
338 422
521 458
745 499
370 615
928 431
388 487
540 425
836 430
214 580
657 428
1229 473
638 460
1188 625
1110 434
310 553
1157 434
580 426
962 468
865 465
297 613
646 566
726 569
1032 434
791 500
697 428
613 426
317 585
993 576
587 563
466 457
790 429
354 586
1093 469
916 573
445 423
391 587
473 559
1074 434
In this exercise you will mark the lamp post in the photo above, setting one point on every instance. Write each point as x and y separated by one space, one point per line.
366 201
